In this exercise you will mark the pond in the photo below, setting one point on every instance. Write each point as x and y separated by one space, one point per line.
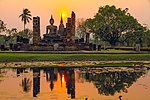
85 83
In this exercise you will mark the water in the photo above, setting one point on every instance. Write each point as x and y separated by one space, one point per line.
107 83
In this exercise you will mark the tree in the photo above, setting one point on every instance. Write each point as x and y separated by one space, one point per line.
82 28
146 38
27 33
85 27
111 23
25 17
131 38
7 35
2 26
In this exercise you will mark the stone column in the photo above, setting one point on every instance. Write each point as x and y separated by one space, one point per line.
36 30
137 47
87 38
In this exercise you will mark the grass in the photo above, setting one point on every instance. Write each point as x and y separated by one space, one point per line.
114 50
18 57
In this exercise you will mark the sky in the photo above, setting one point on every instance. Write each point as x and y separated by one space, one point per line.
11 9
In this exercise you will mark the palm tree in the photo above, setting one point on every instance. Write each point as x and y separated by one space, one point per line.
26 16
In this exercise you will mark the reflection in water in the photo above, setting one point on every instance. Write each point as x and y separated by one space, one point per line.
51 76
36 81
106 80
70 83
2 74
62 79
19 71
67 75
109 82
26 84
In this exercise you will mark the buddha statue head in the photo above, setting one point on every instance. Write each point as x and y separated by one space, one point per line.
51 20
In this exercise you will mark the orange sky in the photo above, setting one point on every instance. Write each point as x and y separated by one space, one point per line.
11 9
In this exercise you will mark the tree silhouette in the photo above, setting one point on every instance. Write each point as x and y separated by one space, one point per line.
2 26
25 16
110 23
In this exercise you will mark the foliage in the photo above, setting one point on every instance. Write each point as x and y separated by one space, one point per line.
110 24
27 33
2 26
130 38
82 28
146 38
8 35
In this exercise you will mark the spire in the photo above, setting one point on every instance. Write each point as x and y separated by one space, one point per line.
61 21
61 26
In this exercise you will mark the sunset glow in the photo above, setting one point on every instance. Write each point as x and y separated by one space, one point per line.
64 13
11 9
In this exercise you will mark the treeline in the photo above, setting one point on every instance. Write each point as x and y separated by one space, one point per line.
8 36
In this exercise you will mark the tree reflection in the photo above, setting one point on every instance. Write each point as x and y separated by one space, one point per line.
26 84
109 82
3 72
19 71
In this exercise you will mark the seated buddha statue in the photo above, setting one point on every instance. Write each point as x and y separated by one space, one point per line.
51 29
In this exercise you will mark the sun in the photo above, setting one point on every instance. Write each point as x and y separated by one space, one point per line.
63 15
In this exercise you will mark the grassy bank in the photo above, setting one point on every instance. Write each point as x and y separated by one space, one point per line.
17 57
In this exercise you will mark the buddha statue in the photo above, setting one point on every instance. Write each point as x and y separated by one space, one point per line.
52 35
51 29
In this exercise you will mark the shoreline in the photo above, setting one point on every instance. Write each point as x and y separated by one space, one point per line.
76 52
74 64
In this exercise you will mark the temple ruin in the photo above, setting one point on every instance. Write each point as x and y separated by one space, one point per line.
56 38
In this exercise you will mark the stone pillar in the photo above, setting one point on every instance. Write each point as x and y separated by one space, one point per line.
137 47
2 47
36 30
56 46
91 46
94 47
73 21
99 47
87 38
70 29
